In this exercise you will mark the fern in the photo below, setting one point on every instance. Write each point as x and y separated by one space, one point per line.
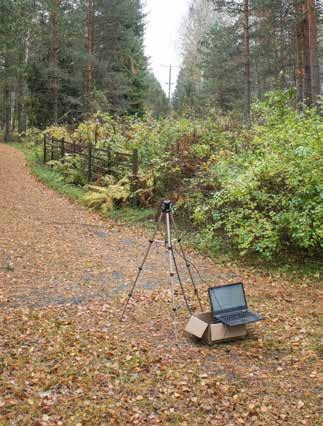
71 168
105 198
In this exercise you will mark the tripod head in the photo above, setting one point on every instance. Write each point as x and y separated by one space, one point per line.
167 206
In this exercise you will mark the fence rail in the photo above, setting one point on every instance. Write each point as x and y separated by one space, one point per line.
98 161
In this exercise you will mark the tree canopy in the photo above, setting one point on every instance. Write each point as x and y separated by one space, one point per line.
62 59
242 47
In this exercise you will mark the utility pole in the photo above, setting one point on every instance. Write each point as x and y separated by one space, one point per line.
170 84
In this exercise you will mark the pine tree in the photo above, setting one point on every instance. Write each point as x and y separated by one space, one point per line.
90 50
62 58
54 56
313 50
246 58
155 100
306 59
121 68
299 46
276 47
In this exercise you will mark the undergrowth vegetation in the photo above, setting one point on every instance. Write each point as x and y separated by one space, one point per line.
257 190
52 178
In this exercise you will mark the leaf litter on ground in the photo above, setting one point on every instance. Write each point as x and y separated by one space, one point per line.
65 357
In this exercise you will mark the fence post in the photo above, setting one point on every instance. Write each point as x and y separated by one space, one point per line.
135 168
89 163
52 153
45 149
63 148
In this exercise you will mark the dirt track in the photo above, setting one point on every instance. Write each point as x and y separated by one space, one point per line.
67 359
54 252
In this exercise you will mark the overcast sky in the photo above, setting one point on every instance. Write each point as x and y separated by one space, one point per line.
161 39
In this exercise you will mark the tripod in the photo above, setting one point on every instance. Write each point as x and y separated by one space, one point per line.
172 264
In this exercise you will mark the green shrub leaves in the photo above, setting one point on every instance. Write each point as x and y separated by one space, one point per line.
259 190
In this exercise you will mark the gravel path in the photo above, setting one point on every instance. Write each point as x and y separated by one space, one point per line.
52 251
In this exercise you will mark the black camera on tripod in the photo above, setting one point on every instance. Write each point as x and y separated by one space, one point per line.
167 206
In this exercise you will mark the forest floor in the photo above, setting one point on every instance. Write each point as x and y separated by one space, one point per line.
66 359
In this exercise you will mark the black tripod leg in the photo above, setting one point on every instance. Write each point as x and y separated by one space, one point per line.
187 262
141 266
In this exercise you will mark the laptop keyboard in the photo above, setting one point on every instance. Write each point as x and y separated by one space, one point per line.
235 315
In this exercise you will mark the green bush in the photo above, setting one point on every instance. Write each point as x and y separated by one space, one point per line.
256 190
268 197
71 167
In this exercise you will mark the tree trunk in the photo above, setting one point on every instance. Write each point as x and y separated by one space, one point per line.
256 90
282 53
20 93
13 109
306 60
90 47
6 104
7 114
54 17
299 40
246 57
314 63
20 107
3 115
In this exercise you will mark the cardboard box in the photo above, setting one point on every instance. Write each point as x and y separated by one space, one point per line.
200 325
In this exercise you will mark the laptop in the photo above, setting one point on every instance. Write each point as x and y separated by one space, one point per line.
229 305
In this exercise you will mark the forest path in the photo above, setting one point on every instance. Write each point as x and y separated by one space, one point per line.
65 358
53 251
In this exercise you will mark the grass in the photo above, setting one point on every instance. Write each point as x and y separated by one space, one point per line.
54 180
48 176
134 216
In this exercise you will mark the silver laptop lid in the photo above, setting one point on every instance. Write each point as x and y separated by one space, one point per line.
227 298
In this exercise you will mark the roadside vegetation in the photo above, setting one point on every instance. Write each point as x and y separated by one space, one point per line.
253 192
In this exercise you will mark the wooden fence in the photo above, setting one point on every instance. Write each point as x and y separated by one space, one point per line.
99 162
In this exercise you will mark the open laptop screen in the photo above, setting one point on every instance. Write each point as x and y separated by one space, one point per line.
227 298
